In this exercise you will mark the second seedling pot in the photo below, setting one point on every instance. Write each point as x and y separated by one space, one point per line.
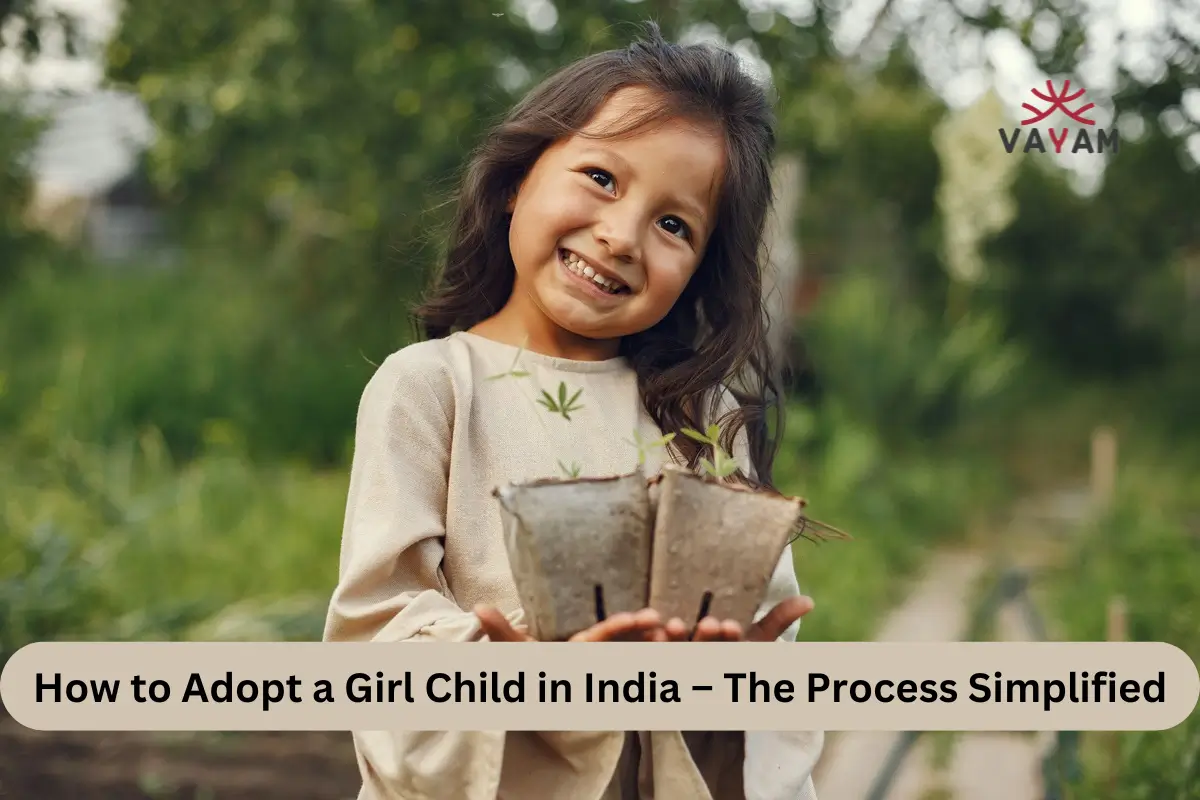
579 549
716 546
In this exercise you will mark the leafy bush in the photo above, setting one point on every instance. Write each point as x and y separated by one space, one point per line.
895 371
119 542
1147 550
115 351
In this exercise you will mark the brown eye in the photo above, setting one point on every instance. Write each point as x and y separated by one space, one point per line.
600 177
675 226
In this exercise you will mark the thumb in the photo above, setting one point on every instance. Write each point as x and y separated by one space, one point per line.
497 626
779 618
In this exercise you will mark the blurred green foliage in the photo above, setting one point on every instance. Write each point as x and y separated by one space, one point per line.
1099 284
897 506
1146 550
182 351
122 541
902 374
18 136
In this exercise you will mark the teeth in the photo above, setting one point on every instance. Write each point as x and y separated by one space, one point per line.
579 267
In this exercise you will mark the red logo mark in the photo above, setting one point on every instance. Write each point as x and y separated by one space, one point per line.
1058 101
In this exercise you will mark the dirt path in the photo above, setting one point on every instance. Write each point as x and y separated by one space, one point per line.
995 765
935 611
966 766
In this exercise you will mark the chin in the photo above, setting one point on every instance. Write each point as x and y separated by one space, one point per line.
567 315
594 332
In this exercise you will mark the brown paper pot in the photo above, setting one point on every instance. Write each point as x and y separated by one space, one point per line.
579 549
716 538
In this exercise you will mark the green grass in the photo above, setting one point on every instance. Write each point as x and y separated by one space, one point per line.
117 542
1147 551
118 350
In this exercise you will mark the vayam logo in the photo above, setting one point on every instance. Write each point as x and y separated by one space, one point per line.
1035 135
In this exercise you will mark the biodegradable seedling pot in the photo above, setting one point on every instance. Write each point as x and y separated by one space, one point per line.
716 546
579 549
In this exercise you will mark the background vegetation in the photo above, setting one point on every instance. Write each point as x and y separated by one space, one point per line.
174 441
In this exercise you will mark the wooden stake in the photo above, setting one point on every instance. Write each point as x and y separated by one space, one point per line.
1104 467
1118 631
1118 619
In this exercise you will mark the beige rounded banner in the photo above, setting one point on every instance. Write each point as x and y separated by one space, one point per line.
965 686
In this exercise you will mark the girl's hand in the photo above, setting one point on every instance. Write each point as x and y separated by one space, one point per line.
767 629
643 626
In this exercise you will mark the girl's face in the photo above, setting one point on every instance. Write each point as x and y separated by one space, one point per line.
606 233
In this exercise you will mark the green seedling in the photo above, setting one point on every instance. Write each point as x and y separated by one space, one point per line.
722 465
643 446
512 371
816 531
563 405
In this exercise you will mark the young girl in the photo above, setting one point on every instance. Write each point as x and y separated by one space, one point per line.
608 236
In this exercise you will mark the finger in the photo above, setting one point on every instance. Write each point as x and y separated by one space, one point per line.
497 626
779 618
708 630
644 626
677 630
731 631
640 625
714 630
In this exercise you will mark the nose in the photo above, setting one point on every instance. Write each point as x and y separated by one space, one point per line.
619 231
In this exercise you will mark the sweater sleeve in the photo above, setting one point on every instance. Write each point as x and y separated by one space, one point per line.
391 587
777 765
390 583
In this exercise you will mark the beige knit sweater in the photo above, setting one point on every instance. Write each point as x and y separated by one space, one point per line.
422 544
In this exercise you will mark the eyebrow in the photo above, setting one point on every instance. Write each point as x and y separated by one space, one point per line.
688 206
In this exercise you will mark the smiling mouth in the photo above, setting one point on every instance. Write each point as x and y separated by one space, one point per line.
584 270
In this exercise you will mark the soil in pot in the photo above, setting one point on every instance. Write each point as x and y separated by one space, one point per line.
716 546
579 549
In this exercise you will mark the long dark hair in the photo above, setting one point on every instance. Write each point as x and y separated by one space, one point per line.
715 333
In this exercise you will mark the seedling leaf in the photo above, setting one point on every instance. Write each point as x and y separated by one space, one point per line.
816 531
512 371
643 446
727 468
563 405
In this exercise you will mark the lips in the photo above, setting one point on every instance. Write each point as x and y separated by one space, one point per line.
578 265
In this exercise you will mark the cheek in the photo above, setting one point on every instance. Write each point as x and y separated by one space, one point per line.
670 277
555 204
